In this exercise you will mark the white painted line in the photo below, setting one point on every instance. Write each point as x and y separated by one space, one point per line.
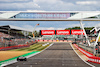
45 44
47 47
14 61
32 55
11 62
39 52
81 58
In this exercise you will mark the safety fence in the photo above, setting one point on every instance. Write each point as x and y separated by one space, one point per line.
90 56
18 46
14 47
54 41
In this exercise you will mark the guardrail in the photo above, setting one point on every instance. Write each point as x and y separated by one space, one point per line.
90 56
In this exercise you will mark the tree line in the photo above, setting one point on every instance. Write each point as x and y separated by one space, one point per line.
78 28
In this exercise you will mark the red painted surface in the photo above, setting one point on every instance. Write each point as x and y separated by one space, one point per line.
90 56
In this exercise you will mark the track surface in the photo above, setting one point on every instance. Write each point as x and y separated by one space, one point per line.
58 55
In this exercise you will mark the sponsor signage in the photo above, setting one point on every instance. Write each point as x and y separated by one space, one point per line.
62 32
77 32
42 15
47 32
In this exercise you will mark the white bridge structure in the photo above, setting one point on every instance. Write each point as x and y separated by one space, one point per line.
49 16
52 16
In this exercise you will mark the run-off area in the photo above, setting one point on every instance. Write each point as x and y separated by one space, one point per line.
58 55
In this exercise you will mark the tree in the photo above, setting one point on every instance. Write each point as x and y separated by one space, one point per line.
36 33
30 34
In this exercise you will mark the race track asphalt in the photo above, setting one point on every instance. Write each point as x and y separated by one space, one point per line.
58 55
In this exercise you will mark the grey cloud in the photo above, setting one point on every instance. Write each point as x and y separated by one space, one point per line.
47 5
72 1
18 6
15 1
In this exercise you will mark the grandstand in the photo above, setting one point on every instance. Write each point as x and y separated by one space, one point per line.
14 36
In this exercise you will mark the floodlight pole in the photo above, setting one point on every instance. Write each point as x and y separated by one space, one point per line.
84 32
34 30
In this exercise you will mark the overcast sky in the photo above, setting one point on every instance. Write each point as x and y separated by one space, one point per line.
49 5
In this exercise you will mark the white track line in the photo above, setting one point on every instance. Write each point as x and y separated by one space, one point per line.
11 62
26 57
81 58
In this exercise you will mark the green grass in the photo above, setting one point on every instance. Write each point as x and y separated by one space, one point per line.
34 47
41 48
27 54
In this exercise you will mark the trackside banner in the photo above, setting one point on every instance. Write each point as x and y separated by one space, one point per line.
62 32
77 32
47 32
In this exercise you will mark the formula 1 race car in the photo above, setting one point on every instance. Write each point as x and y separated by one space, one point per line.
21 58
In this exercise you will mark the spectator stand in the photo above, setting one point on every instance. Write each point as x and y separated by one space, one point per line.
13 36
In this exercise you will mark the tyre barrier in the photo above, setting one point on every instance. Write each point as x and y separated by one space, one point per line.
54 40
90 56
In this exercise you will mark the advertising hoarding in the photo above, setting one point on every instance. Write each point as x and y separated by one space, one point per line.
77 32
62 32
47 32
